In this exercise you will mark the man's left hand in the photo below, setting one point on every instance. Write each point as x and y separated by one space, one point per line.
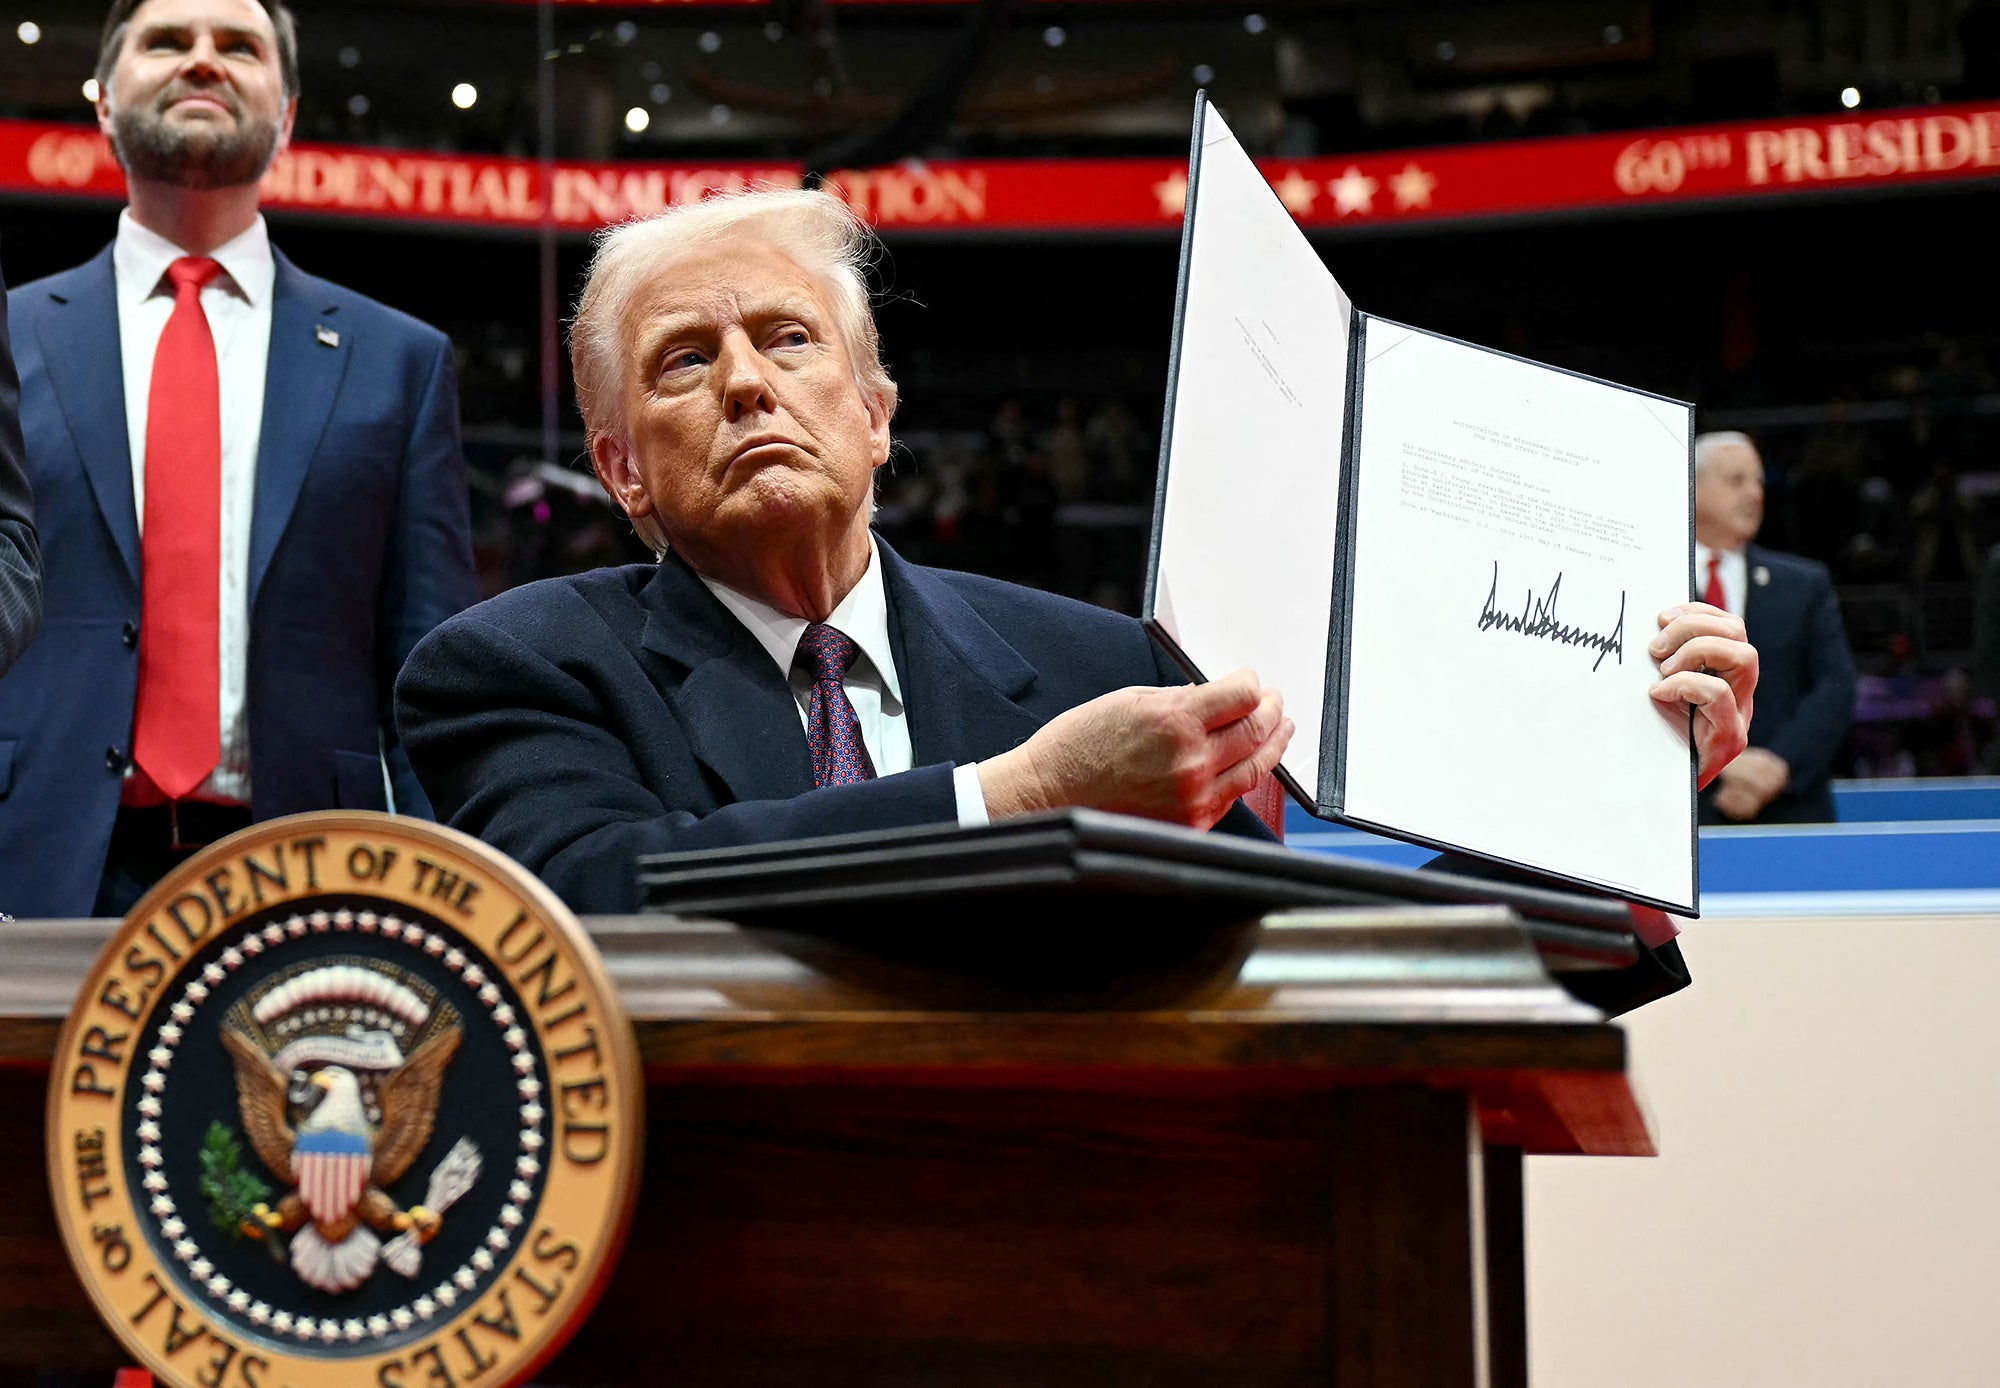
1751 782
1707 664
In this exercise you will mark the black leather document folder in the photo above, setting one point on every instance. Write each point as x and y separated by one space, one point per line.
1059 875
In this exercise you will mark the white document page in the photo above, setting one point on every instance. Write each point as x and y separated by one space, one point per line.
1518 530
1249 526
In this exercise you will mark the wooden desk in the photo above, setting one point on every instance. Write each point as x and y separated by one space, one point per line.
1286 1152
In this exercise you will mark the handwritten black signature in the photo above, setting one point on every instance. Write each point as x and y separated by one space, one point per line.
1538 618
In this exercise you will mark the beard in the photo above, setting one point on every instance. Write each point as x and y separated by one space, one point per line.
198 157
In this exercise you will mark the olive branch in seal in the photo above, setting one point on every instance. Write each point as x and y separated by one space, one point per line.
232 1192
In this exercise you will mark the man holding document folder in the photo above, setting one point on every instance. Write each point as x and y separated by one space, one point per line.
1471 547
780 673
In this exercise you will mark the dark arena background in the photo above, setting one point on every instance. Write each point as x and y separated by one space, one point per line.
1847 317
1784 211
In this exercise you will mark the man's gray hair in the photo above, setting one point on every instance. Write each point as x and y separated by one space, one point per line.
1706 445
822 234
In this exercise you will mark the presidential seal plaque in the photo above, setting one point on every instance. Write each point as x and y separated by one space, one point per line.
347 1099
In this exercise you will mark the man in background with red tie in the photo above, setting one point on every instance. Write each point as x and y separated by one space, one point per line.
1805 693
249 487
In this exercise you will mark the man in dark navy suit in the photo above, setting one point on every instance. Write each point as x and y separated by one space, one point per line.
249 487
781 672
1805 696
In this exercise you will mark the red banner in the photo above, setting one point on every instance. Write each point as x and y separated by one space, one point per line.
1654 168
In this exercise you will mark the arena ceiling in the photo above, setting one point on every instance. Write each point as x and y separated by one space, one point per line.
864 82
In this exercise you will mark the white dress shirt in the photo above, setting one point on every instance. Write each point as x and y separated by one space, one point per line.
237 303
872 684
1734 575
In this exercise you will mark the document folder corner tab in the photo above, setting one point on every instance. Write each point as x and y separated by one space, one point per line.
1675 417
1209 127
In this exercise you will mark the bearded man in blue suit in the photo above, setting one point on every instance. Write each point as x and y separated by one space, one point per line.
249 488
781 672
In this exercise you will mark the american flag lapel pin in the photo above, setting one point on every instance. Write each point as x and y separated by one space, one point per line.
326 336
1762 576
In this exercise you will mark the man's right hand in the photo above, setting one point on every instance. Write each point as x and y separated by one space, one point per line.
1182 754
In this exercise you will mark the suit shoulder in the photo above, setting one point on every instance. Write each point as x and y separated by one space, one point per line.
1793 566
551 613
26 300
365 312
989 596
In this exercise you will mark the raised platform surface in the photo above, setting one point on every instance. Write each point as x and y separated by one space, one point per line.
1902 847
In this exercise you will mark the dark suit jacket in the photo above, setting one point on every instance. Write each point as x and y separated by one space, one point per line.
20 555
359 544
577 723
1805 686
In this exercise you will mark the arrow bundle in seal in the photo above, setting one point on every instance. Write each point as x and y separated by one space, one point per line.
450 1180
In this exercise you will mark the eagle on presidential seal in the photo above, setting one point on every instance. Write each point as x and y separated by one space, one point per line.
338 1071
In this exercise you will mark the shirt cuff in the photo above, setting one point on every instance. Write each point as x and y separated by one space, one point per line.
971 799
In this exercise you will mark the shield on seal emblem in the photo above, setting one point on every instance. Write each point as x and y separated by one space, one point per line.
361 1107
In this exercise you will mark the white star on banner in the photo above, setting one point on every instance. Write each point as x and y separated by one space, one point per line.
1353 191
1413 187
1172 193
1296 192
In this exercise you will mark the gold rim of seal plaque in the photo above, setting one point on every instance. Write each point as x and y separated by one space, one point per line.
541 1287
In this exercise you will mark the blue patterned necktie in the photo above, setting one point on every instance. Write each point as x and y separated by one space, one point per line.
833 733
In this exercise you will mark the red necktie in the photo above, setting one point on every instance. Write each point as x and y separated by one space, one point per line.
1712 595
833 733
177 738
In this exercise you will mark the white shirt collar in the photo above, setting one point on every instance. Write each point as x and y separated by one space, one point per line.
140 257
863 616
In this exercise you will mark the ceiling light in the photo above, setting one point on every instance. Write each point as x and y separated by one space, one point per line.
90 90
29 32
1054 36
1850 97
1253 24
637 119
348 57
661 93
464 95
709 42
1203 74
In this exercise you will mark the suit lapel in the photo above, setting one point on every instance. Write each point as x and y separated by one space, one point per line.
961 680
1753 603
300 385
80 345
733 704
